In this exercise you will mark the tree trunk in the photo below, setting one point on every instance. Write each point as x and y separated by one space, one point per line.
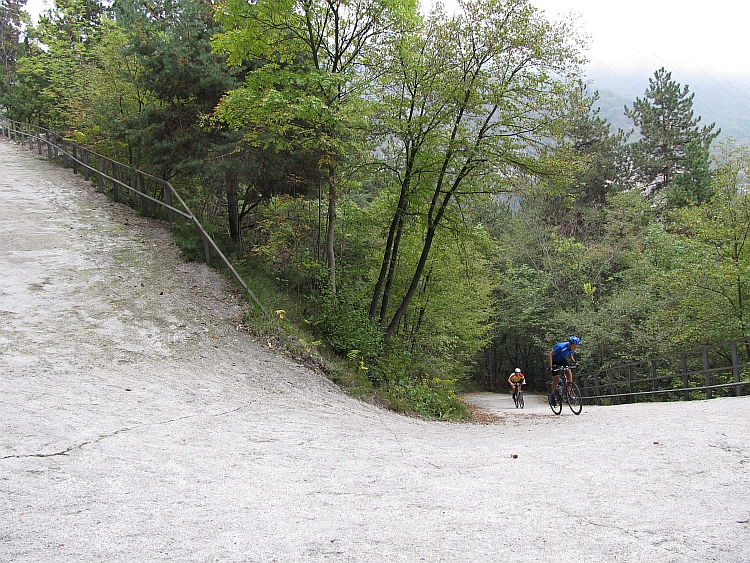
233 207
330 254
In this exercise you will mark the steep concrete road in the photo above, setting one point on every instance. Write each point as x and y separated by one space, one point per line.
138 425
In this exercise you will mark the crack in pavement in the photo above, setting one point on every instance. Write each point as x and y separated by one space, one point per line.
102 437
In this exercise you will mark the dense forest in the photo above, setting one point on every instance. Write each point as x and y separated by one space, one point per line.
433 198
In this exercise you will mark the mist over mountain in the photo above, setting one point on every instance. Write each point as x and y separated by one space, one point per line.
720 99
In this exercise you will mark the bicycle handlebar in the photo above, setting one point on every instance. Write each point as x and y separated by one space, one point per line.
563 368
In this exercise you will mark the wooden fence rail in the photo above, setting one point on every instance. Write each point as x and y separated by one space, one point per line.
106 172
709 371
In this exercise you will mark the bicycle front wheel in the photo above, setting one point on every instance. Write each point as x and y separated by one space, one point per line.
520 399
575 402
557 407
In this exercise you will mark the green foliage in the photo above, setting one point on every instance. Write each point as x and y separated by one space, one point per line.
429 397
345 325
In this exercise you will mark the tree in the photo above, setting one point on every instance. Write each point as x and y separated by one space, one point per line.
672 148
12 17
701 260
468 104
311 75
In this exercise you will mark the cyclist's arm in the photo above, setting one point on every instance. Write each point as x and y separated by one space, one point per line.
550 357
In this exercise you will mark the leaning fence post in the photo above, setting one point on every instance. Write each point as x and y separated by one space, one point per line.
707 372
85 158
207 249
75 158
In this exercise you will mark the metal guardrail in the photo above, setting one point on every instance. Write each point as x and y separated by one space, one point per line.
106 172
708 371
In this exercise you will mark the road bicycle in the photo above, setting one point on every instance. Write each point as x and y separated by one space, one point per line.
518 395
566 391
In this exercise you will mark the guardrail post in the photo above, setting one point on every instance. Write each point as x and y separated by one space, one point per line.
168 196
707 372
144 201
612 387
100 179
207 249
75 158
685 377
115 191
85 158
630 379
30 136
736 368
654 384
38 140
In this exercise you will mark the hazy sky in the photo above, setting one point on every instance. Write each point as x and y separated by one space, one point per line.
673 33
650 33
654 33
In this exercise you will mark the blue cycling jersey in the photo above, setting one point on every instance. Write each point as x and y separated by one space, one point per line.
560 352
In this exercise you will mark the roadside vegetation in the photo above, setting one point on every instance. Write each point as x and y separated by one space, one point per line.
424 201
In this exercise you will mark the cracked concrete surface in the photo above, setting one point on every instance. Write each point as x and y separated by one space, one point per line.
138 425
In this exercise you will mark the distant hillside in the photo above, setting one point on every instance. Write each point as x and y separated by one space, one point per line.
724 100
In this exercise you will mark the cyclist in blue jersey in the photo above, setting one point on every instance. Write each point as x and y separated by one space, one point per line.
562 355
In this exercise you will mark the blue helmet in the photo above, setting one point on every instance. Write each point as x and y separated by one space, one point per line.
574 340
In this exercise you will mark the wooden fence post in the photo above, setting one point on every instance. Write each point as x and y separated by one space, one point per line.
38 140
168 196
685 377
142 187
207 249
654 384
736 368
115 187
630 378
100 179
707 372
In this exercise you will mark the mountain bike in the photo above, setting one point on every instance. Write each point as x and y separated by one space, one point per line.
566 391
518 395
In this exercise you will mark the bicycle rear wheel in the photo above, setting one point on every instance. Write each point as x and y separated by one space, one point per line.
557 407
575 402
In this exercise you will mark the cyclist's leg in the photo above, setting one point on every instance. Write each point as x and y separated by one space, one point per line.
553 390
569 374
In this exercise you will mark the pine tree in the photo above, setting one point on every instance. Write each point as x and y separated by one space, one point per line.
673 149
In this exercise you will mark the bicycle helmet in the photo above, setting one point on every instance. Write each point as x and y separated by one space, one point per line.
574 340
518 370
